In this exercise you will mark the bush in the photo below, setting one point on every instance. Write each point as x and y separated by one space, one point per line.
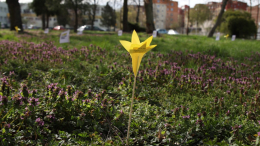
136 27
238 23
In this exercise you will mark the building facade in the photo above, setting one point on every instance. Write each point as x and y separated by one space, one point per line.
165 13
215 7
236 5
4 14
159 14
254 14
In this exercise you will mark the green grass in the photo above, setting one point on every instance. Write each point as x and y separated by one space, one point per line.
224 48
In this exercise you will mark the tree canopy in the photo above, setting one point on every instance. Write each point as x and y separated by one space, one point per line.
200 13
108 16
46 8
238 23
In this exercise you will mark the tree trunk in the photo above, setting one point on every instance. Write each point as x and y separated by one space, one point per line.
47 22
257 23
224 3
76 16
138 11
125 17
148 5
187 30
93 15
43 21
15 14
115 15
114 19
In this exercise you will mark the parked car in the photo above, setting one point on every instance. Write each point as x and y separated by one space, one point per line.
81 28
58 28
3 26
162 31
33 27
172 32
88 27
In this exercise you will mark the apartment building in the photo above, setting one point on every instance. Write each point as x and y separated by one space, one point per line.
165 13
236 5
254 14
215 7
4 14
183 17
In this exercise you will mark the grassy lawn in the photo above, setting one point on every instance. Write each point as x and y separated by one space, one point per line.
191 90
224 48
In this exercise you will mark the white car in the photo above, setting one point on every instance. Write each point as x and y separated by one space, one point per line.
81 28
172 32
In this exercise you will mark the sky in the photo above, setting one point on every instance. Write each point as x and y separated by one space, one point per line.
181 2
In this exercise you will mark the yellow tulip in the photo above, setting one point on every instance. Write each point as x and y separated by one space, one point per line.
137 50
226 36
17 28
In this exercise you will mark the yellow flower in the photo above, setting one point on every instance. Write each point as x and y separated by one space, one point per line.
226 36
17 28
137 50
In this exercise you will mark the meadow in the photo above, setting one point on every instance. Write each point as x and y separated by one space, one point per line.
191 90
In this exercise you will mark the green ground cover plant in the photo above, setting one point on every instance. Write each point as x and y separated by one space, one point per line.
190 91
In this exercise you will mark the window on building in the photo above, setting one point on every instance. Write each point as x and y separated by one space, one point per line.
172 4
171 9
158 11
158 1
158 6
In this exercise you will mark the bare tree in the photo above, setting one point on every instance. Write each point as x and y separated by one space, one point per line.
75 5
92 12
138 3
224 3
148 4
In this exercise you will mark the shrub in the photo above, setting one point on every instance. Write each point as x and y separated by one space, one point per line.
238 23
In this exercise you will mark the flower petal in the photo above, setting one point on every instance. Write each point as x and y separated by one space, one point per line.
150 48
148 41
126 45
136 60
135 38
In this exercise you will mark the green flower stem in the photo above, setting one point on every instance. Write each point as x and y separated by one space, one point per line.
130 114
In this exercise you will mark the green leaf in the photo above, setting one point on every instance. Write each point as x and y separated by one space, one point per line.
257 140
3 130
163 132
